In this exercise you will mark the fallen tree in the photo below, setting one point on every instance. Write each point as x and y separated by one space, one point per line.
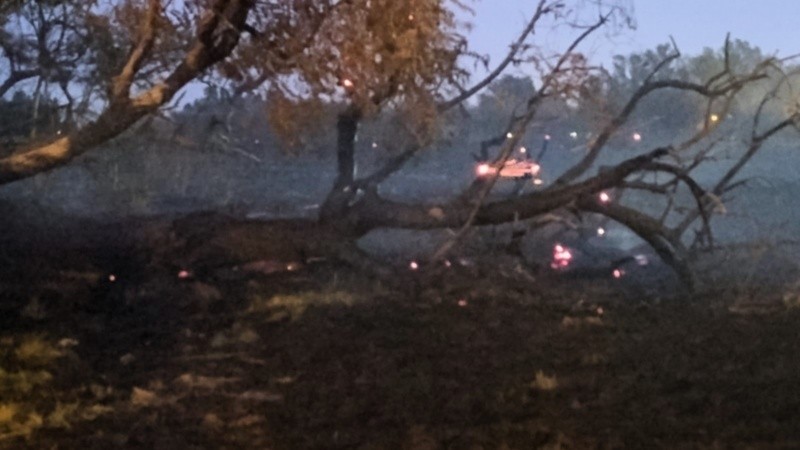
404 57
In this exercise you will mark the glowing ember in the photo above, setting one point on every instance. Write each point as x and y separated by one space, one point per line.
601 231
462 302
637 137
413 265
573 135
714 118
112 278
483 169
618 273
509 135
604 197
184 274
347 83
523 150
562 257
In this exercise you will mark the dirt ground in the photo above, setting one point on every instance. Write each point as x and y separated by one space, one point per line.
489 356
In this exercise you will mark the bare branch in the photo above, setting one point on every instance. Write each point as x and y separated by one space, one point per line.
669 249
147 35
16 77
375 212
516 47
596 145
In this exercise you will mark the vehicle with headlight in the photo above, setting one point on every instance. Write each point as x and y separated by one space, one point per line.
512 168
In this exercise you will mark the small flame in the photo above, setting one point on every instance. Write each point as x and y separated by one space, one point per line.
562 257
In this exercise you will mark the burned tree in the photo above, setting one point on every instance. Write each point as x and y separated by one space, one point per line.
406 58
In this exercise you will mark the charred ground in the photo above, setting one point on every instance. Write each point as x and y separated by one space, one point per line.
491 354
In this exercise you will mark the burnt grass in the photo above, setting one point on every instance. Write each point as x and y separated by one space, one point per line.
487 356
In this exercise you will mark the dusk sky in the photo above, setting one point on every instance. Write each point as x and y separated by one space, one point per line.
771 25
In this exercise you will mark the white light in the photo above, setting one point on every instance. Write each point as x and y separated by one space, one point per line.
462 302
447 263
573 135
641 260
604 197
112 278
410 17
523 150
483 169
184 274
538 181
546 137
509 135
714 118
347 83
637 137
618 273
374 145
601 231
413 265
